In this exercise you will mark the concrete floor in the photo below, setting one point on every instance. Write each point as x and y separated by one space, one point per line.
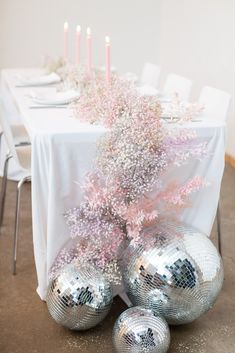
26 326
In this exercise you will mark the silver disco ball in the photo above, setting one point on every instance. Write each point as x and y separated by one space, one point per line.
79 297
177 272
139 330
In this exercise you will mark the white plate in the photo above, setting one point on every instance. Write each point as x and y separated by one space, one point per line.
56 98
130 76
42 80
147 91
164 100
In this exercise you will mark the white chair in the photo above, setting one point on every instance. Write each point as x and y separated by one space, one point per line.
179 85
20 135
20 138
22 156
216 104
150 75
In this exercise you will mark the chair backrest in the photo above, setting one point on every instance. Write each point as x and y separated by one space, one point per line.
6 127
179 85
215 103
150 75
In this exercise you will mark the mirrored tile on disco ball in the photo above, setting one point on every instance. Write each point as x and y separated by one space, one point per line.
139 330
79 297
178 276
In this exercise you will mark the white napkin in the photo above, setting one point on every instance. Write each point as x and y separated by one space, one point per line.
56 98
42 80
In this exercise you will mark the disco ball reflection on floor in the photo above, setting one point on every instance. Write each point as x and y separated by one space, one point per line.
79 297
139 330
178 274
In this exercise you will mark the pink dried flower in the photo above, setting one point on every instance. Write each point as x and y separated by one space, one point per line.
125 192
177 195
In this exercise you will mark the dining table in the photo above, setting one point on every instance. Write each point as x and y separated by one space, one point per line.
64 151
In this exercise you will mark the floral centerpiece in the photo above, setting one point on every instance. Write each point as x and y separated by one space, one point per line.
126 191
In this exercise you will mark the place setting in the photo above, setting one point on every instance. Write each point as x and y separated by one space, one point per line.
38 80
58 99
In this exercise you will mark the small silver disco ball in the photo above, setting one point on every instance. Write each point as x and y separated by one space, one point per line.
79 297
139 330
178 273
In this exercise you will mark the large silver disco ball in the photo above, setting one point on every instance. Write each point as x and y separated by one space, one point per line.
139 330
79 297
178 273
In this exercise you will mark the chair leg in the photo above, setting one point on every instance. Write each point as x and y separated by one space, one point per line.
1 133
4 187
17 215
219 229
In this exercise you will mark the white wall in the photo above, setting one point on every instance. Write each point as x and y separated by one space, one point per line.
197 40
189 37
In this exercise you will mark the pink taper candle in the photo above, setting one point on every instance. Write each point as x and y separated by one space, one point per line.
107 59
66 27
88 53
78 40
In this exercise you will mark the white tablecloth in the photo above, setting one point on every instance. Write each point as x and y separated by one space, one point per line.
63 151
